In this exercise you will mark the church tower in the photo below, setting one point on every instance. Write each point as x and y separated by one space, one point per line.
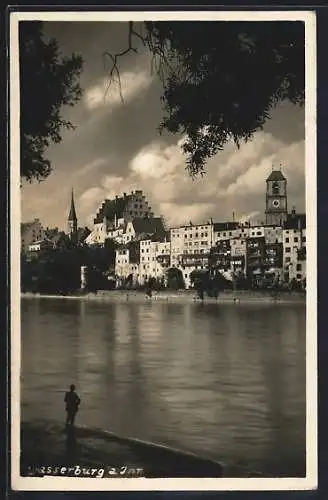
276 199
72 220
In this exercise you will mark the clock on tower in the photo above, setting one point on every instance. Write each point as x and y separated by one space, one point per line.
276 199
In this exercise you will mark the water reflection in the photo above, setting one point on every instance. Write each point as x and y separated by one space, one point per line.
226 380
71 444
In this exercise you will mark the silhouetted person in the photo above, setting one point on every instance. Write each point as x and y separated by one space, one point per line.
72 401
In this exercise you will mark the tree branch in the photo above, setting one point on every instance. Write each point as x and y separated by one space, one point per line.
159 62
114 58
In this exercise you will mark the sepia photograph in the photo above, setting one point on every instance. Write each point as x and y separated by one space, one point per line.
163 250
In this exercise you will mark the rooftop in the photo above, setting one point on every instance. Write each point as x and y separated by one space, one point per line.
72 212
295 221
276 175
222 226
112 208
149 225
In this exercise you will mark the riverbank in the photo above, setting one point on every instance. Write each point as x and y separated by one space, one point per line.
50 449
185 296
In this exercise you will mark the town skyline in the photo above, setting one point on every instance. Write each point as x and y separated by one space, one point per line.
116 148
256 218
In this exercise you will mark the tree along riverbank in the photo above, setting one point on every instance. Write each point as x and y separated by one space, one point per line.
188 296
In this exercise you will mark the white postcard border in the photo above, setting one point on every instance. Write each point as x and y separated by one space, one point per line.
169 484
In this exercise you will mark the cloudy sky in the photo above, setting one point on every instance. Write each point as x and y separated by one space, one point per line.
116 148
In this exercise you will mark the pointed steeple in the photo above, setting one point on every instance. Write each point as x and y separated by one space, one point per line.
72 220
72 213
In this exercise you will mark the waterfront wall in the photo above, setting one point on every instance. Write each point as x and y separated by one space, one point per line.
180 296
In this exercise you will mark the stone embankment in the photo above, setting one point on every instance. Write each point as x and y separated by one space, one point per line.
183 296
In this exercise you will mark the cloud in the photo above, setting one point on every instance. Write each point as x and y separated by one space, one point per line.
156 161
249 179
90 195
248 217
105 96
113 148
234 182
91 199
90 167
175 213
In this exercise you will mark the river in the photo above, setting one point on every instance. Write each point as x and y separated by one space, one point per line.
227 381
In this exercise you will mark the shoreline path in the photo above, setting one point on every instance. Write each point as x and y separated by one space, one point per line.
50 447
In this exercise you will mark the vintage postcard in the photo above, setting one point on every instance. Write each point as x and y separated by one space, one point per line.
163 250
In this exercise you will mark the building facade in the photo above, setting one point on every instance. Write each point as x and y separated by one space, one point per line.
30 233
113 216
294 254
190 248
40 246
142 260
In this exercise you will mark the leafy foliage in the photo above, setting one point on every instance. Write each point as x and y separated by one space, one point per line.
47 82
222 79
175 279
59 271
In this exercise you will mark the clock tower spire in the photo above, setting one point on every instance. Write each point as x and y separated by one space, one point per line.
276 198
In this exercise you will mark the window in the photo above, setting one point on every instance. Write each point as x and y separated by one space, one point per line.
298 276
275 188
186 275
186 235
287 240
258 233
299 267
296 239
303 239
287 249
224 234
230 234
